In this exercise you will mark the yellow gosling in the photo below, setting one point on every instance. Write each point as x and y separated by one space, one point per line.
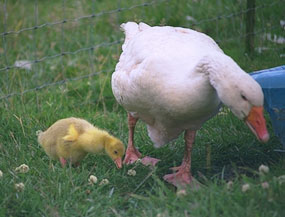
71 139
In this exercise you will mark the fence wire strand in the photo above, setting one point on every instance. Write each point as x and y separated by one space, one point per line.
93 15
77 19
94 73
228 16
61 82
103 44
64 53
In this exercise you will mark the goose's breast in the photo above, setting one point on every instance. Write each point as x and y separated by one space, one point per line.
165 90
187 103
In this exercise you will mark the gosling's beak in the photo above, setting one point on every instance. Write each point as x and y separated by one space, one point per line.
118 163
256 123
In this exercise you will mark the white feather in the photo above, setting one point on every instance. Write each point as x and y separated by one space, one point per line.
176 79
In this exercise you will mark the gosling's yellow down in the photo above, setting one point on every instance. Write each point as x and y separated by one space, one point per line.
71 139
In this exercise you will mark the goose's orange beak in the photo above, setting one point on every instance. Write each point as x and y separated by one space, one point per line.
118 163
257 124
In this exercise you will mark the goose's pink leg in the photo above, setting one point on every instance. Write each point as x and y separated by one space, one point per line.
183 175
132 154
62 161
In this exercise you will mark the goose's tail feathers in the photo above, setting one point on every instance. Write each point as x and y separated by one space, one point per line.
132 28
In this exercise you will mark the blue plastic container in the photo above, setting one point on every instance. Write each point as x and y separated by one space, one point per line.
272 82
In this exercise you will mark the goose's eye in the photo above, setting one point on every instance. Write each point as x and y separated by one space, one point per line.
243 97
115 152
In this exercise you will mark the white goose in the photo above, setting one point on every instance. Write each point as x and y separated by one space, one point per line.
175 79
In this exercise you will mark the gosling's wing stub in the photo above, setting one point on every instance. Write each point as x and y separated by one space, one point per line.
72 134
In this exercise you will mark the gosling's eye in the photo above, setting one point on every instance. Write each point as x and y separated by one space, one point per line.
243 97
115 152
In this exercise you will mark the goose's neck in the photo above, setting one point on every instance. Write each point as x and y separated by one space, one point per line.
221 69
223 74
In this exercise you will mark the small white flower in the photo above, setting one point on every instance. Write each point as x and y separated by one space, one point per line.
104 182
138 161
63 89
19 186
224 111
181 193
92 180
164 214
70 63
53 67
263 169
282 24
132 172
229 185
265 185
1 174
281 179
189 18
245 187
23 168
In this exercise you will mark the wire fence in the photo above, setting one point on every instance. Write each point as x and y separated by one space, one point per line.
101 30
77 19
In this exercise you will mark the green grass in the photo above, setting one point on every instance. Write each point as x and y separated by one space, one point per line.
55 191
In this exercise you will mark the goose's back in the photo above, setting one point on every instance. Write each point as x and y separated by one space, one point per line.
156 80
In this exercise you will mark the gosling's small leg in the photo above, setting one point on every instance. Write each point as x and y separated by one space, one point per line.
62 161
